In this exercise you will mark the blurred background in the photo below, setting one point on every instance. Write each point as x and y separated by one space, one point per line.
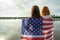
10 28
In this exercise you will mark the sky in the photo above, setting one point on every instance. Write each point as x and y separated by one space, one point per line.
22 8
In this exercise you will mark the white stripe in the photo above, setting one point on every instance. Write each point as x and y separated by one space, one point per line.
45 31
47 26
23 39
33 36
50 37
48 16
47 21
37 36
48 34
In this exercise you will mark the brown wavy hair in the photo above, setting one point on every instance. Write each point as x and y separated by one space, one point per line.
35 13
45 11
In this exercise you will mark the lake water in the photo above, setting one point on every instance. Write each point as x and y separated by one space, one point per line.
10 29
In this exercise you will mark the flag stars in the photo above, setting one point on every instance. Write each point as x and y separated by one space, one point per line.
34 27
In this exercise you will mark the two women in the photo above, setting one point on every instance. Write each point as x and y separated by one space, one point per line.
38 27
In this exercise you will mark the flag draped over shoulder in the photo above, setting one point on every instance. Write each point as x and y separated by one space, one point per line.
37 29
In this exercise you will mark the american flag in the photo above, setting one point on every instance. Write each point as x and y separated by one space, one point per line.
37 29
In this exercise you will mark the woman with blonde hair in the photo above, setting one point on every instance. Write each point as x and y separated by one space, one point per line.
47 24
45 11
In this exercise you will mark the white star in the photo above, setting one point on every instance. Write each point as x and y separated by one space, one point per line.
27 33
36 19
34 28
40 33
36 22
40 22
35 33
40 26
31 33
40 29
31 27
25 23
32 22
31 19
40 19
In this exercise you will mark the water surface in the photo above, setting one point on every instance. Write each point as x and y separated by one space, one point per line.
10 29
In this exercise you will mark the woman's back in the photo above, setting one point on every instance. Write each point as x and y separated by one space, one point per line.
47 24
32 29
48 27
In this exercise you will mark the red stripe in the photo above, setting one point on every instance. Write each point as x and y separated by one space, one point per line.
32 38
48 28
51 39
50 36
44 33
47 24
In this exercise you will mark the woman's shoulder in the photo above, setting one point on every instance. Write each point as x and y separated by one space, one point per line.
47 17
30 18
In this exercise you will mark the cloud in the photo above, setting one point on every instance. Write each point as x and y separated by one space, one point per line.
23 7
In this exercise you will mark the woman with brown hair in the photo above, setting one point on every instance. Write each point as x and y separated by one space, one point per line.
32 27
35 13
47 24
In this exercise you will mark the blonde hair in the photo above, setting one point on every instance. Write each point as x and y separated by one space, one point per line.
45 11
